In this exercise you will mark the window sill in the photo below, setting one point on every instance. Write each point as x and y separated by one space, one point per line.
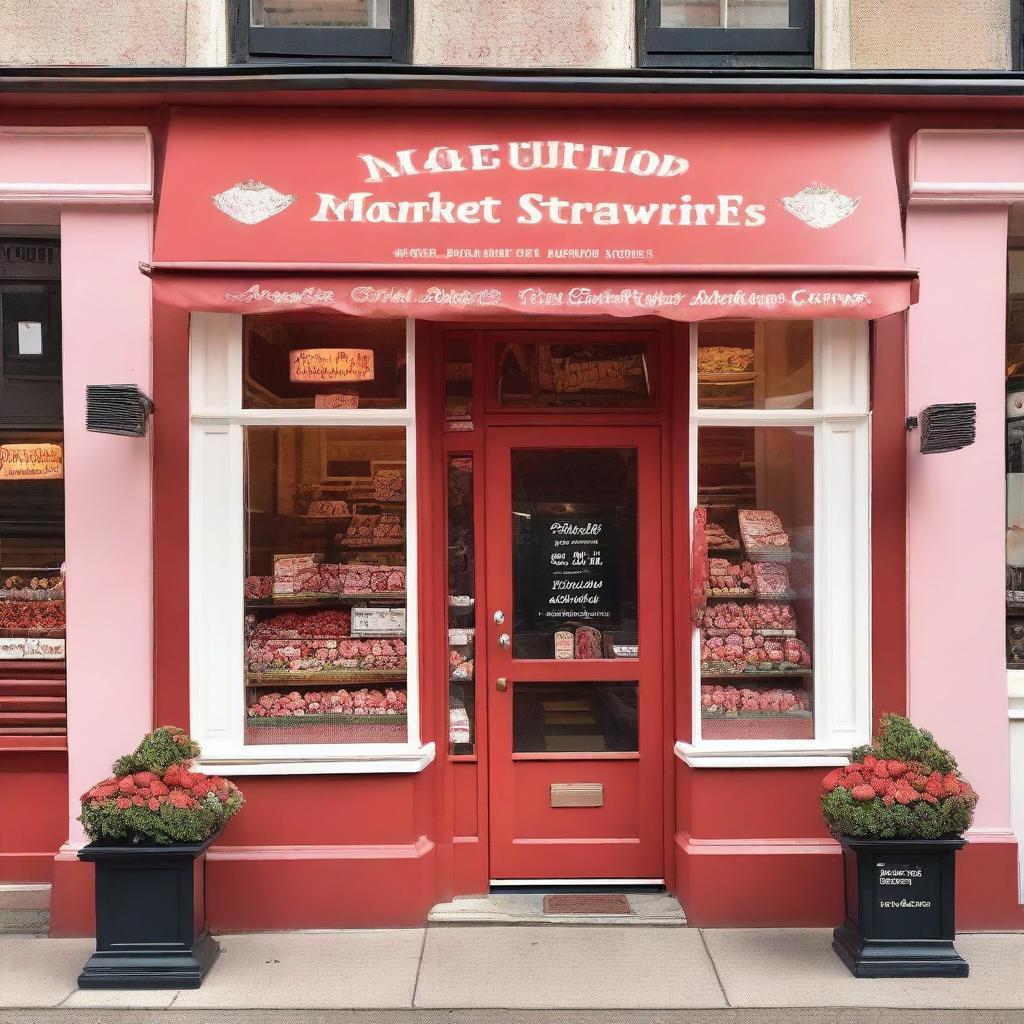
364 763
757 757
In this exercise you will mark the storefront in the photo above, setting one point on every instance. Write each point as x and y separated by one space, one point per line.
529 501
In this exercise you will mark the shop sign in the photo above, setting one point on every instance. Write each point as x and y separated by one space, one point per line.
330 365
31 462
461 189
577 568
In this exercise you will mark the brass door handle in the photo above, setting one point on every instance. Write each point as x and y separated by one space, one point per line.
501 684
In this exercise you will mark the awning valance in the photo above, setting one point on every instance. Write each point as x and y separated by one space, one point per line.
433 297
429 213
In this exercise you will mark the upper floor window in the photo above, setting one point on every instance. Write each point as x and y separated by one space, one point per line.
726 33
367 30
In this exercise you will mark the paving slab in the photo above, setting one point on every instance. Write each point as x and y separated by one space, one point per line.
136 999
796 967
36 971
359 969
537 966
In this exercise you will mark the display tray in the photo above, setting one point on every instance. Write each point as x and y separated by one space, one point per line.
750 727
359 729
743 631
314 679
727 377
789 595
397 545
320 600
399 718
720 593
32 634
757 673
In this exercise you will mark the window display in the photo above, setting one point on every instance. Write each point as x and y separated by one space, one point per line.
325 649
756 494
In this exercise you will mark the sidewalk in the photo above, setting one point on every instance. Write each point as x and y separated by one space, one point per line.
521 967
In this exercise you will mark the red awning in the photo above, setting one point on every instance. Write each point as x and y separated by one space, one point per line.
433 297
467 213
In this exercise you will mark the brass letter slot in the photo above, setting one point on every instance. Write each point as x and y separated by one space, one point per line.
577 794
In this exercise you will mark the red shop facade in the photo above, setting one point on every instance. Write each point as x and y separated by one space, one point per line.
528 499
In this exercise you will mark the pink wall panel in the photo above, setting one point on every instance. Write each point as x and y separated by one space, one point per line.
956 501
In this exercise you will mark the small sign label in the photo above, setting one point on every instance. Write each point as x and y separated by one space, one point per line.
30 338
907 899
378 622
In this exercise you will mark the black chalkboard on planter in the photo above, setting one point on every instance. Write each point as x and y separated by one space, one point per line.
150 916
900 908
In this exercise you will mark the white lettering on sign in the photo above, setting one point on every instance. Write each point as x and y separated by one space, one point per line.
525 156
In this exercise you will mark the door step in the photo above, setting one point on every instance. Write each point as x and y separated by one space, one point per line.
629 909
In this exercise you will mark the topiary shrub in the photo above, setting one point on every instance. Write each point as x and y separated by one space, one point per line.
903 786
154 796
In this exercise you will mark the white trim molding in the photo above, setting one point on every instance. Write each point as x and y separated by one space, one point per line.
787 756
362 763
753 847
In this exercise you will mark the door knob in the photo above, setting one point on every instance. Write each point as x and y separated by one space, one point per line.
499 617
501 684
504 641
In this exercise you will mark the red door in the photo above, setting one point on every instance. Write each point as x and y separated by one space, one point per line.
574 634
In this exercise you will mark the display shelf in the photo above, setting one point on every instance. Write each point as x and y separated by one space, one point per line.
790 595
315 680
753 631
281 603
787 673
396 546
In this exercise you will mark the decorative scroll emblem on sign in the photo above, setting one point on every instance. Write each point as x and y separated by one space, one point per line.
251 202
819 206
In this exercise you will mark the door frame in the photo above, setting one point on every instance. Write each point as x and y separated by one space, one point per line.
462 785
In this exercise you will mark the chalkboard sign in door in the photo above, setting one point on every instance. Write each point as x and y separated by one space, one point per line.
574 552
577 569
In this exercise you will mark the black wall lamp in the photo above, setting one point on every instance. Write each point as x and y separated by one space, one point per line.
946 428
117 409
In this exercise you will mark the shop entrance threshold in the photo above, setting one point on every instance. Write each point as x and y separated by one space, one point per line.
567 906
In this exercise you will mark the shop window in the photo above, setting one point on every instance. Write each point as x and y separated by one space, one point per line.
32 617
726 33
316 579
366 30
781 512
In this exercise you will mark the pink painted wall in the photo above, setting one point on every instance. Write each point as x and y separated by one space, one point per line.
106 310
956 501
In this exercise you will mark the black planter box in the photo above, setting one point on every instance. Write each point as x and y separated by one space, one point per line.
900 908
150 916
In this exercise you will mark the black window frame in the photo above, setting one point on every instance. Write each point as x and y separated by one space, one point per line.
365 45
791 47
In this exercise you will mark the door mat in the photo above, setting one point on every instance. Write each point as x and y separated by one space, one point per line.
586 903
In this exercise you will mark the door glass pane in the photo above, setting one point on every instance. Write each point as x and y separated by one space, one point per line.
321 14
573 375
692 13
747 364
461 606
574 717
757 486
325 586
757 14
574 537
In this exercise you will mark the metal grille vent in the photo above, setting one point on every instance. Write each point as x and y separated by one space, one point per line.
946 428
117 409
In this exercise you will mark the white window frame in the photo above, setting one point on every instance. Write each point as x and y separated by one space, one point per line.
841 420
217 565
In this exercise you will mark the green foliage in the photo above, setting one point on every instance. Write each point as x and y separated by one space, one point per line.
873 820
104 821
158 751
900 740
